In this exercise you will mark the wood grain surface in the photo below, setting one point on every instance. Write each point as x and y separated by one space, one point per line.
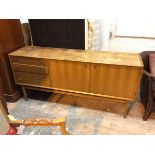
101 57
105 74
112 80
69 75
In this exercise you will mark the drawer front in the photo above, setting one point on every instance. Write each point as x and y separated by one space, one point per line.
32 79
30 68
28 61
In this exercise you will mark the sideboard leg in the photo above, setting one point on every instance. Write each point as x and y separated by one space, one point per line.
130 106
25 93
61 96
57 98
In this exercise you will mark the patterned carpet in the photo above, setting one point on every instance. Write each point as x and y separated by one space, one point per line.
80 120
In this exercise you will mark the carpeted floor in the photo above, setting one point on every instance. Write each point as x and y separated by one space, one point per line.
81 120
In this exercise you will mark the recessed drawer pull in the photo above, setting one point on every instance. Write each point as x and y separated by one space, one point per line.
30 68
32 79
28 61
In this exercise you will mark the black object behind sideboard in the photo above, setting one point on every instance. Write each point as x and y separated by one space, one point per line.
61 33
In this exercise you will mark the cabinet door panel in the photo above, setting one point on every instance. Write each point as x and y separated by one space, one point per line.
114 80
69 75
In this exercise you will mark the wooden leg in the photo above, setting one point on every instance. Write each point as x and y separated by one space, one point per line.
25 93
60 97
146 115
130 106
57 98
5 107
3 111
63 129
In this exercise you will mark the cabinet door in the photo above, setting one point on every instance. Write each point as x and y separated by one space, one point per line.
114 80
69 75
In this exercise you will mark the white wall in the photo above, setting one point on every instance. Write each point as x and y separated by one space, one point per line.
136 27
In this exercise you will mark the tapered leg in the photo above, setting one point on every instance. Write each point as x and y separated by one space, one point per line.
63 129
146 115
25 93
130 106
4 111
57 98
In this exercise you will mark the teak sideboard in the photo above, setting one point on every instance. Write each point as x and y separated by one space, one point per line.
112 75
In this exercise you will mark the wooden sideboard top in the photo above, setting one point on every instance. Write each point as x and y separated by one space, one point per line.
102 57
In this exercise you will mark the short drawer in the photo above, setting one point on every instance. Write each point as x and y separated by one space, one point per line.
28 61
29 68
32 79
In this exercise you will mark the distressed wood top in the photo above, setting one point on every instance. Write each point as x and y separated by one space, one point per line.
102 57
